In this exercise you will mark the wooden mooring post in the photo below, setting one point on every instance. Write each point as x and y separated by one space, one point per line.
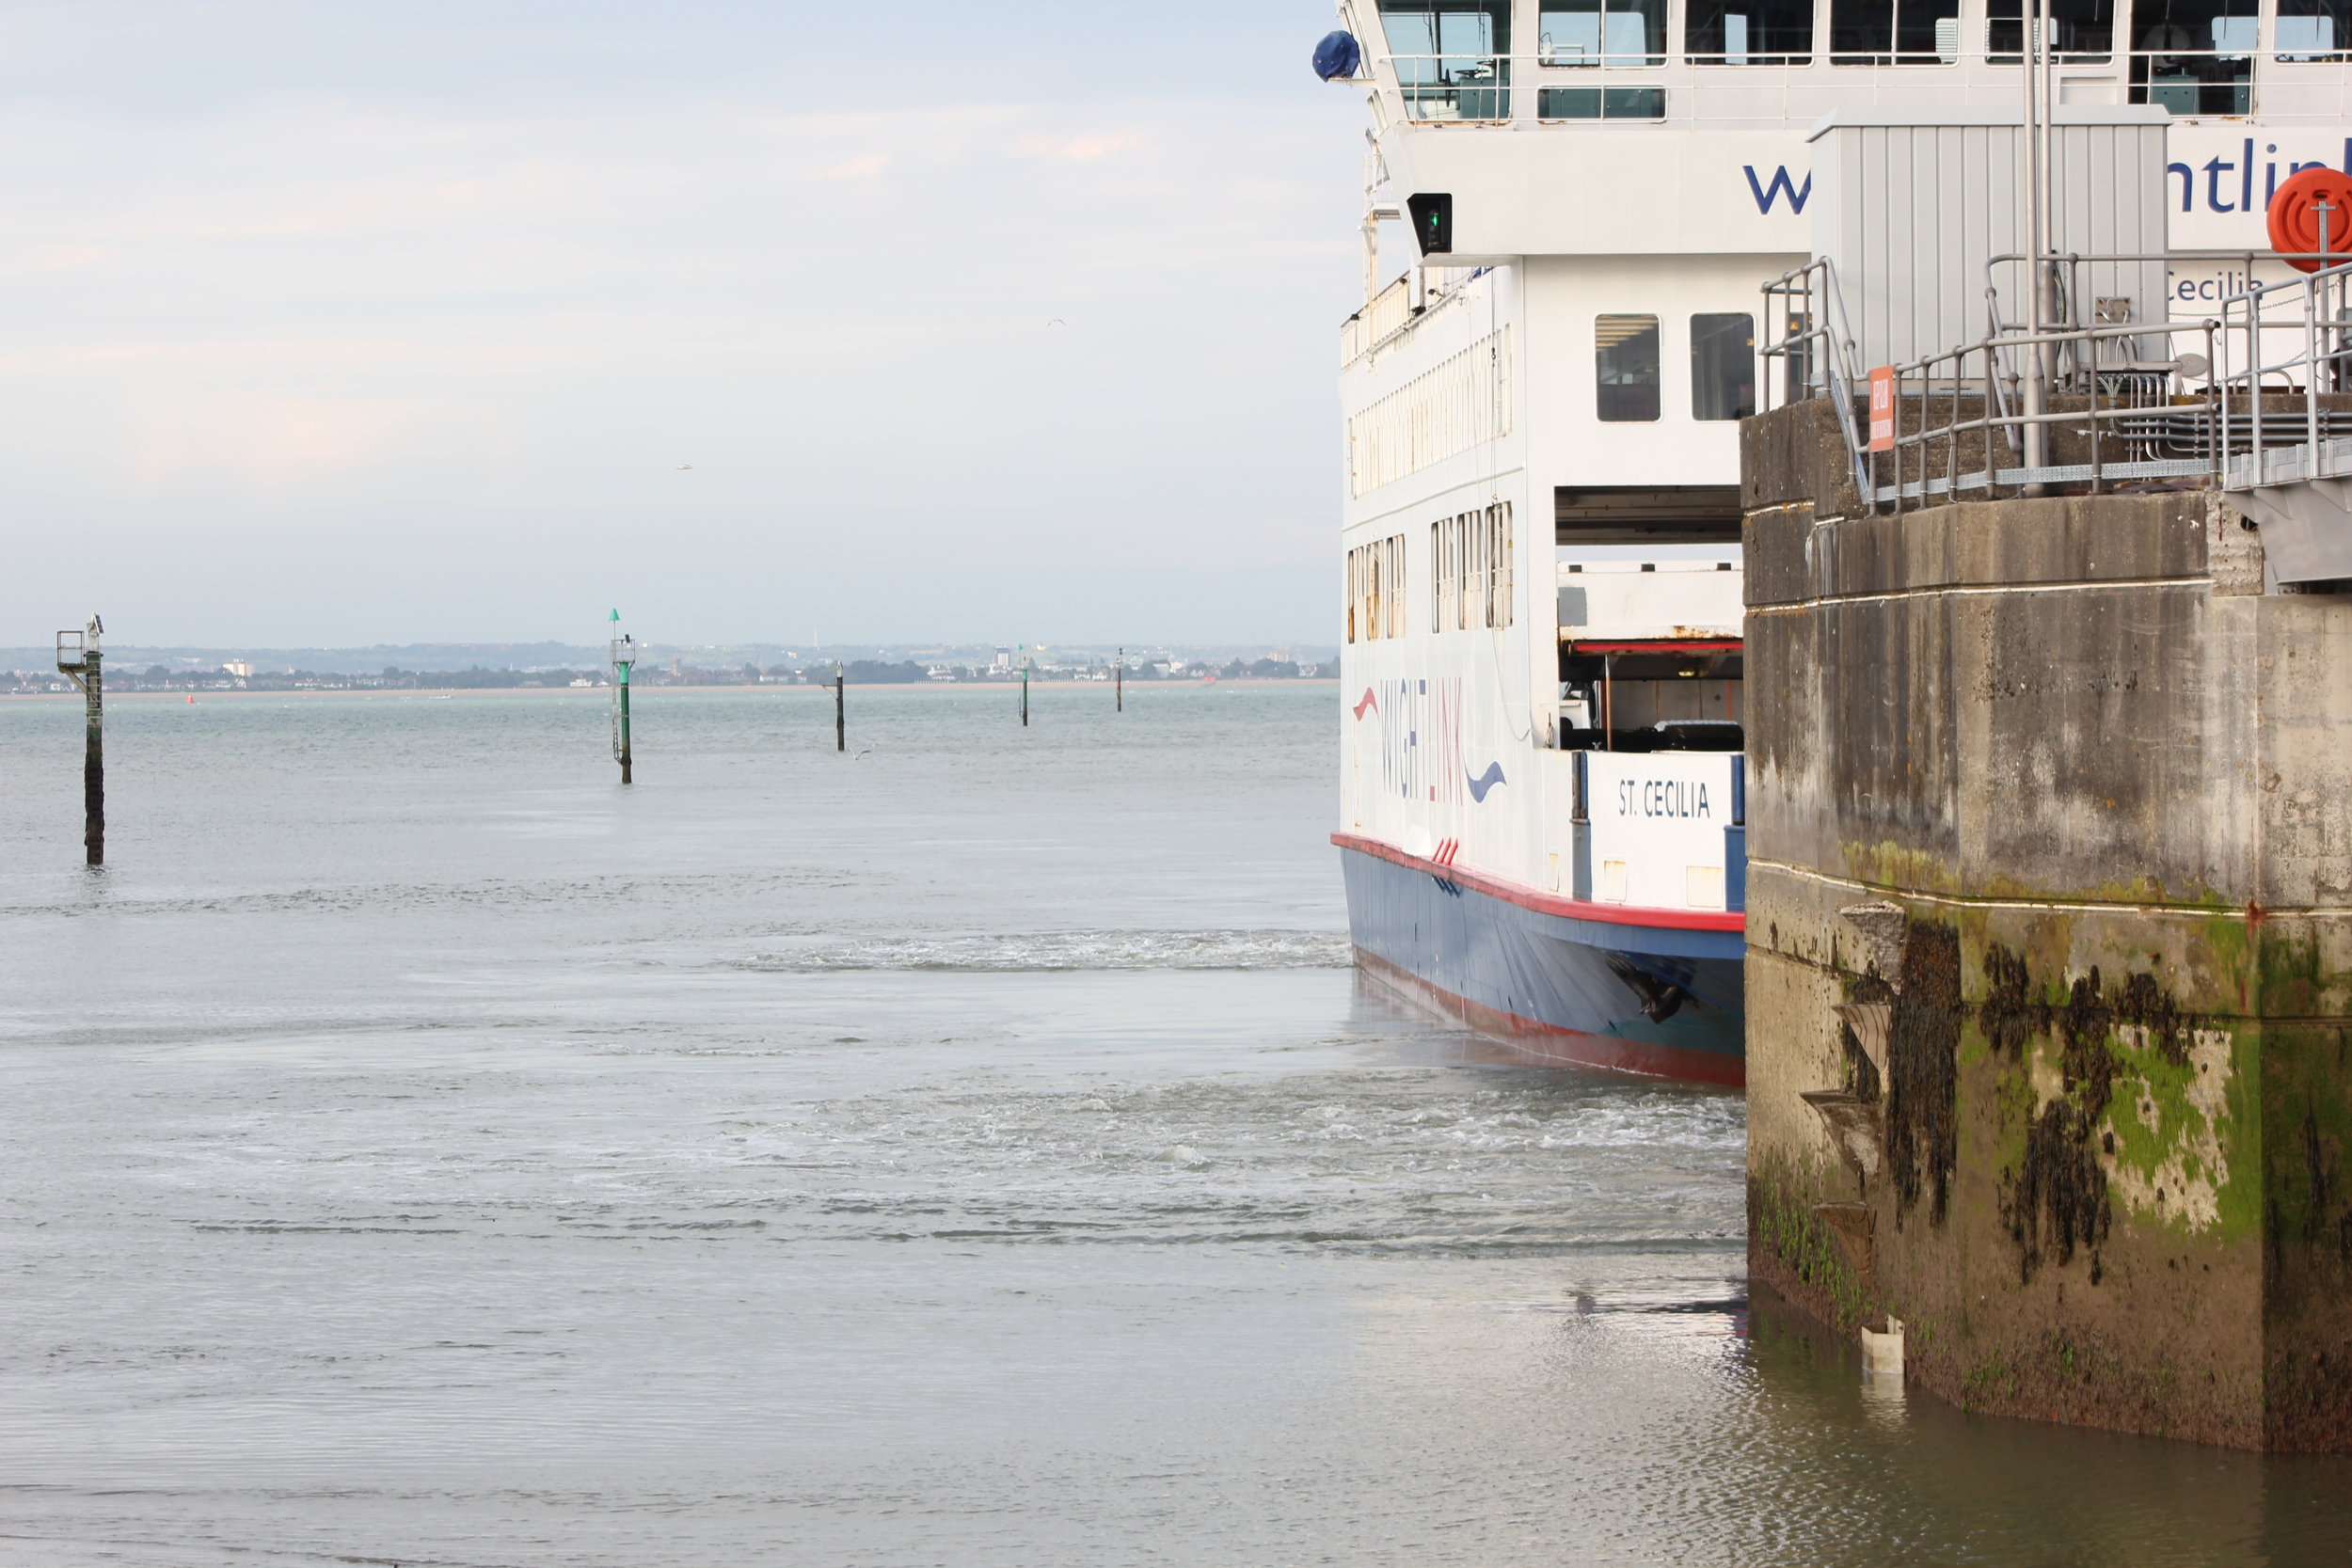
1025 693
78 661
1119 682
840 714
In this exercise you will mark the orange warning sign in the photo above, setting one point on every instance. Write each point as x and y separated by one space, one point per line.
1883 409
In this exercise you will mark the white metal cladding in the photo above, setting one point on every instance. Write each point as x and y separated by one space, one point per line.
1440 412
1910 205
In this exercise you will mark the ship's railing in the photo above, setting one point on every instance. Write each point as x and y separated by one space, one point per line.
1592 81
1390 312
1392 309
2239 400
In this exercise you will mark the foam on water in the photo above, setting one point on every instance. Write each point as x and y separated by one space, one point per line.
1044 951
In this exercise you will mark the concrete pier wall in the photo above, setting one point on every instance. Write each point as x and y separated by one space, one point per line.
2050 910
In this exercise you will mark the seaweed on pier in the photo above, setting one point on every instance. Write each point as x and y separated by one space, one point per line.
1923 1088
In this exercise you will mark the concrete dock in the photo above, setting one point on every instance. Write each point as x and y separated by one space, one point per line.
2049 962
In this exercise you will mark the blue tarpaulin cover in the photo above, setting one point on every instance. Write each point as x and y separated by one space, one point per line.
1337 55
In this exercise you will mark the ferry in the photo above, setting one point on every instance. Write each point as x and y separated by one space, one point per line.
1542 798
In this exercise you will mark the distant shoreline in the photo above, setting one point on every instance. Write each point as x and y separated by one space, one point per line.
814 687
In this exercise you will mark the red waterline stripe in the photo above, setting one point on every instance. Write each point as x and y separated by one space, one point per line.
1548 903
1550 1042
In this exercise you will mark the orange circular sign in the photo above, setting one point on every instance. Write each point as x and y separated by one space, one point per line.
2295 215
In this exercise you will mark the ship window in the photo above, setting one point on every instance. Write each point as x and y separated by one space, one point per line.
2082 32
2308 29
1626 367
1600 103
1910 32
1450 57
1376 590
1445 582
1749 32
1499 549
1602 32
2312 29
1722 367
2194 57
1470 570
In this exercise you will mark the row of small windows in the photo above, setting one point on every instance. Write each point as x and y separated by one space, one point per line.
1459 45
1470 577
1722 367
1471 569
1376 590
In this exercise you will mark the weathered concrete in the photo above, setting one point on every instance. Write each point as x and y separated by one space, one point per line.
2104 783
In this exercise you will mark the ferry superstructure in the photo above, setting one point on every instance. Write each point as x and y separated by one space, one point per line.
1542 821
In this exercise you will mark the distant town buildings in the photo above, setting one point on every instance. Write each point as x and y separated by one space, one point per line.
28 671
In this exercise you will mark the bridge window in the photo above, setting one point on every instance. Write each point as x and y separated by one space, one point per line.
1628 367
1910 32
2194 57
1602 32
1749 32
1600 103
1450 57
2082 32
1722 367
2312 29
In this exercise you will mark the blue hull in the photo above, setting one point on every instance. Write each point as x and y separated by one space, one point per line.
1668 1001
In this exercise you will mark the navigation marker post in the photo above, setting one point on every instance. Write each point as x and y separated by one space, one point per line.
622 654
82 669
840 716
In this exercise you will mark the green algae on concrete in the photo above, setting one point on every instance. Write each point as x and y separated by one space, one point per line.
2116 1180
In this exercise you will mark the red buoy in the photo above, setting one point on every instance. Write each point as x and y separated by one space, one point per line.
2295 215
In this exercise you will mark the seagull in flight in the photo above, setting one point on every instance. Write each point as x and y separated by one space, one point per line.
683 467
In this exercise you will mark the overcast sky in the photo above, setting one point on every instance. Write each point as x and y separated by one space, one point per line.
334 324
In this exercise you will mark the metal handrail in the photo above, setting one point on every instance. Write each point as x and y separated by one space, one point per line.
2219 404
1818 353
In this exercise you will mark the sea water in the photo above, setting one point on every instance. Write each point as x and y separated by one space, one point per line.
973 1149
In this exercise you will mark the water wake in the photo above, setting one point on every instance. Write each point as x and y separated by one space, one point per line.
1048 951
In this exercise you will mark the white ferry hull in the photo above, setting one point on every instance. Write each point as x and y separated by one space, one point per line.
1562 980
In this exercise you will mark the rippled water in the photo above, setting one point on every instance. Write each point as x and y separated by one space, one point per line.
974 1151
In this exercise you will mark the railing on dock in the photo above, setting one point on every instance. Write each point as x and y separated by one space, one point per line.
2258 394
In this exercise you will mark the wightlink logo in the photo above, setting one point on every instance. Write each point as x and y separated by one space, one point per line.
1768 192
2238 178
